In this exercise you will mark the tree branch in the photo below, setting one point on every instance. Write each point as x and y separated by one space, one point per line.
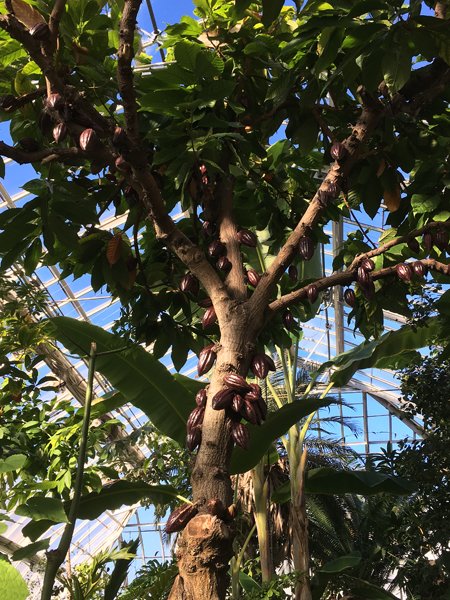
124 70
11 104
54 20
44 155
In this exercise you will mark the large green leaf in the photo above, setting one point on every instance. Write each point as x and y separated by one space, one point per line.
341 563
393 350
110 497
12 463
277 424
120 571
271 10
325 480
141 378
12 584
31 549
43 508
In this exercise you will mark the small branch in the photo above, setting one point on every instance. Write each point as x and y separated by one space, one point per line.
54 20
44 155
322 124
125 72
235 281
56 557
20 101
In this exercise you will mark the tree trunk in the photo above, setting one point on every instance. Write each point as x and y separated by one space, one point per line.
300 540
205 547
261 496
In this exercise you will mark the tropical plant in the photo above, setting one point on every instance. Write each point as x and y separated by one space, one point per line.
268 122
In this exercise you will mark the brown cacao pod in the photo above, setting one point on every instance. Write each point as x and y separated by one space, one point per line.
40 32
255 388
237 403
259 366
59 132
349 297
262 407
236 382
200 397
189 284
206 359
288 320
120 138
253 277
223 399
88 140
180 518
404 272
122 165
427 240
368 289
195 418
419 268
441 239
194 438
209 317
209 229
224 264
306 248
413 245
240 435
55 101
312 292
216 249
368 265
247 238
205 303
249 413
338 151
363 276
293 273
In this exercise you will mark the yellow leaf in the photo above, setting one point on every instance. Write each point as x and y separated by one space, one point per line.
26 13
392 199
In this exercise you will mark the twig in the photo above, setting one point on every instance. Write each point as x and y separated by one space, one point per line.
54 20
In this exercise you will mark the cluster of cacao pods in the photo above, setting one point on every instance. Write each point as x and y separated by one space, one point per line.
406 271
194 424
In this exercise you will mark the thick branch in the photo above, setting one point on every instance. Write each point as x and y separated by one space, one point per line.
124 70
44 155
345 278
14 104
235 282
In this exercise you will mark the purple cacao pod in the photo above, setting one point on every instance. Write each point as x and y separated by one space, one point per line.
413 245
362 276
288 320
122 165
205 303
40 32
441 239
224 264
88 140
223 399
200 398
312 292
427 241
189 284
236 382
293 273
194 438
237 403
419 268
180 518
120 138
59 132
259 366
404 272
255 388
247 238
338 151
349 297
206 359
262 407
240 435
195 418
249 413
216 249
209 317
306 248
368 265
55 101
253 277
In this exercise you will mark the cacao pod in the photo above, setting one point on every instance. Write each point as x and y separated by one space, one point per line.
223 399
441 239
120 138
413 245
249 413
236 382
194 438
349 297
288 320
255 388
195 418
88 140
306 248
209 317
237 403
312 293
205 303
180 518
362 276
259 366
200 397
40 32
122 165
209 229
216 249
427 240
419 268
55 101
206 359
338 151
251 396
189 284
59 132
367 264
224 264
247 238
293 273
253 277
404 272
240 435
262 407
368 289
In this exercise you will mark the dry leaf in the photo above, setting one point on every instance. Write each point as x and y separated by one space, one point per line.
392 199
27 14
381 167
113 249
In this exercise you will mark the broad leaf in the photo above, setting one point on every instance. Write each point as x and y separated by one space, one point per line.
12 584
12 463
135 373
325 480
40 508
271 10
277 424
31 549
393 350
120 571
341 564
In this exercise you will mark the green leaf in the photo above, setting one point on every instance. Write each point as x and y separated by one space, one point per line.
186 53
276 425
120 571
32 256
12 463
248 583
12 584
271 10
31 549
397 67
329 481
142 379
393 350
342 563
40 508
421 203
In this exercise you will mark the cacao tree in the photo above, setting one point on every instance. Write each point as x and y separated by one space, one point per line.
267 123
